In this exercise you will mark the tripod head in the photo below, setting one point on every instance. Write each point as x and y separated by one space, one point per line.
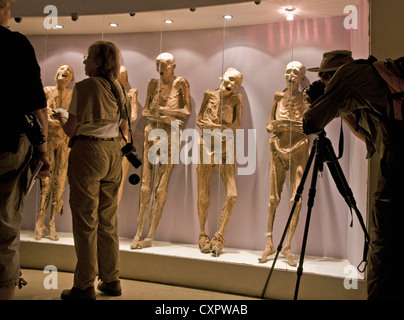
322 134
325 151
325 148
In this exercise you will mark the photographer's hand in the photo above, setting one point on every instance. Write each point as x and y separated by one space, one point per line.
46 167
40 151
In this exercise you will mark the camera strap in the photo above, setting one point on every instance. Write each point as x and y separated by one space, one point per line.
114 91
362 265
341 143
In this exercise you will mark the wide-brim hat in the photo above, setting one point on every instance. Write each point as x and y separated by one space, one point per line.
332 60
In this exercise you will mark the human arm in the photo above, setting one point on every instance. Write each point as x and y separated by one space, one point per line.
40 151
278 97
35 99
151 88
350 121
132 95
328 106
199 119
183 110
68 120
237 97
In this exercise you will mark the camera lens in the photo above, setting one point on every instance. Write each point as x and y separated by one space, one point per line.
134 179
134 160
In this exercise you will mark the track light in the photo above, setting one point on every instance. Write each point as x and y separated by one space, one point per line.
75 16
290 13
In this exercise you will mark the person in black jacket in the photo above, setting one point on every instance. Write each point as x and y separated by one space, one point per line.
22 98
358 90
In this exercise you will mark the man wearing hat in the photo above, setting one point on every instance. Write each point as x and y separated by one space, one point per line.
331 62
357 90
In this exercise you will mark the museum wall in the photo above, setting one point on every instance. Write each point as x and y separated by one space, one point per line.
261 53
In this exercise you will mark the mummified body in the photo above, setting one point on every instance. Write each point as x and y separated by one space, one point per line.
132 94
289 150
52 188
168 100
221 110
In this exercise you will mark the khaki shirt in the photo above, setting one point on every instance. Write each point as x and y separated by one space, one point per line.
96 108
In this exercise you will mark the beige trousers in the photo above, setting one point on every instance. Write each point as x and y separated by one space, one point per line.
95 173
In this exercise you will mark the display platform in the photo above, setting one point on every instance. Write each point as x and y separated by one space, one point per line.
234 271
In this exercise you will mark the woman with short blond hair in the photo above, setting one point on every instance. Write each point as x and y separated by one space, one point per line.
92 121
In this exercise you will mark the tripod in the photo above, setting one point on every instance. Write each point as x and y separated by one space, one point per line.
321 151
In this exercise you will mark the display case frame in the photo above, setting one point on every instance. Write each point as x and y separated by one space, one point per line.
261 52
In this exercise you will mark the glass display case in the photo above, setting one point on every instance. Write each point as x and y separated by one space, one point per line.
259 39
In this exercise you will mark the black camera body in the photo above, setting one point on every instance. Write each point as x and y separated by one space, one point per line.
33 129
315 90
129 152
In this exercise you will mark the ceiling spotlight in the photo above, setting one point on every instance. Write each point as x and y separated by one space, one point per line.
192 9
18 19
257 2
132 14
113 25
168 21
290 13
228 16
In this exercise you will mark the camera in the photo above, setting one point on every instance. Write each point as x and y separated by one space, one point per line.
129 152
33 129
315 90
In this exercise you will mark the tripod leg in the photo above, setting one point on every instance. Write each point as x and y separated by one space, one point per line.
310 203
298 195
346 192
